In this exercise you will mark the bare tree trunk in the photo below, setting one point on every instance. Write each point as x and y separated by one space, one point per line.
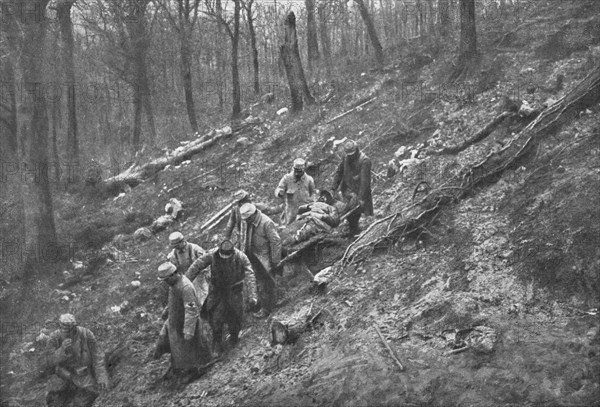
311 33
254 46
290 55
324 34
235 75
468 35
142 97
444 18
219 53
186 75
68 44
364 13
35 119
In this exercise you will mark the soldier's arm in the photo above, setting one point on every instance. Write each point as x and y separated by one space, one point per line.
172 258
230 224
198 265
197 252
311 186
97 358
331 216
274 243
365 179
249 277
52 354
191 311
282 187
337 176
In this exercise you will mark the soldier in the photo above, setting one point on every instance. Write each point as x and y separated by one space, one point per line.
183 334
184 253
235 221
182 256
231 276
78 364
296 188
353 177
262 245
320 216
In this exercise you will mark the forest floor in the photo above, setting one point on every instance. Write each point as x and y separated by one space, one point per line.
511 270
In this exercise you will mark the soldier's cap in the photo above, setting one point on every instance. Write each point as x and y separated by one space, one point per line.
226 248
350 147
299 164
175 238
239 195
67 319
247 210
166 270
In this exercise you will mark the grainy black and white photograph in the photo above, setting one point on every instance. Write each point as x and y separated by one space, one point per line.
299 203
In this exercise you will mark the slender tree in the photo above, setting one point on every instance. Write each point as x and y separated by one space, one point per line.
183 24
63 9
233 30
312 42
468 35
322 11
368 21
32 111
252 33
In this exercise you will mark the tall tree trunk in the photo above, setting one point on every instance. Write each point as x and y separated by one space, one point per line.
444 18
235 75
324 34
186 76
142 97
252 32
219 53
290 55
311 33
468 35
368 21
34 114
68 44
12 227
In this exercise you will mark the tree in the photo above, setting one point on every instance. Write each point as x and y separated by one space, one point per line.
252 32
444 17
187 15
290 55
215 10
368 21
468 36
324 33
63 9
32 113
311 33
123 24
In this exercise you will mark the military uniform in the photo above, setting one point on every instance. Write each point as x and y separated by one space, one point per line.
78 372
184 334
231 280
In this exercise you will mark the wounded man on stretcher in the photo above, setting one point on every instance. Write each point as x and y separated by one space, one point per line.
317 217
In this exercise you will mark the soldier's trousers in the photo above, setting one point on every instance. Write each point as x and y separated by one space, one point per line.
266 284
227 311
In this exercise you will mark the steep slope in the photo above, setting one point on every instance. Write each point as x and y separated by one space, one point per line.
494 304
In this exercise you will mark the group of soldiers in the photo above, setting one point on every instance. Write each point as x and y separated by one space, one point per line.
241 277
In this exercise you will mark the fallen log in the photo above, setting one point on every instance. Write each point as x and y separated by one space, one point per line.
135 175
350 111
479 136
217 218
418 215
